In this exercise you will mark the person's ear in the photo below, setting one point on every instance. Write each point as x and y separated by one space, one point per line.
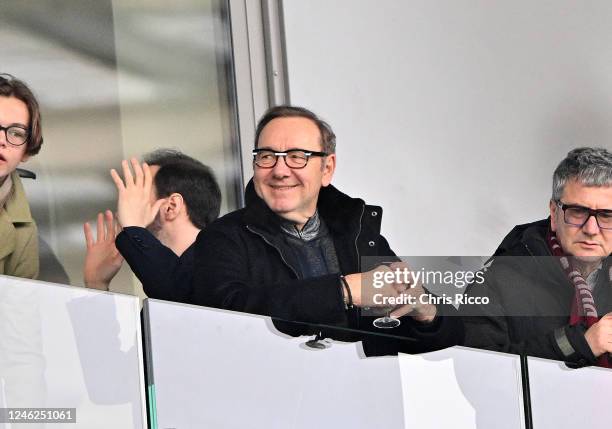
329 167
553 215
173 206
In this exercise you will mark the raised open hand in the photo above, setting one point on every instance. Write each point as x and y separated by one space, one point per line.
102 260
135 203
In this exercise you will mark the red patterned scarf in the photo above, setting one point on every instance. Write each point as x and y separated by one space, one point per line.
584 309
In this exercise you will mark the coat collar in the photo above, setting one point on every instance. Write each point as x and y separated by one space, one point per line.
16 206
5 190
338 210
530 240
15 210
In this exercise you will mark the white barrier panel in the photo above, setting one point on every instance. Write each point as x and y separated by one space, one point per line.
569 398
222 369
68 347
462 388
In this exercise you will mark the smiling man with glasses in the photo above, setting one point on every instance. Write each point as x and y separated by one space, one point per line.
550 282
296 251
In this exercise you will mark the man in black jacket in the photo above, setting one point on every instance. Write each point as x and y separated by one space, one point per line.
162 207
298 250
549 285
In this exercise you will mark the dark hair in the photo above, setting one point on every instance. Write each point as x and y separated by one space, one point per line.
179 173
12 87
328 138
590 166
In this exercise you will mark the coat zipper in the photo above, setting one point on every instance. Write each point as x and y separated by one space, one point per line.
275 248
357 238
569 283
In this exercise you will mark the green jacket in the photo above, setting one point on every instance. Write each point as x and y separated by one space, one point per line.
18 235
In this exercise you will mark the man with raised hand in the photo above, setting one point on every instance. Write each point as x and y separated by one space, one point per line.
162 207
297 250
549 285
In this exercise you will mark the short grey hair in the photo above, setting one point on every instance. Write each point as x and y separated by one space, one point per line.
328 138
589 166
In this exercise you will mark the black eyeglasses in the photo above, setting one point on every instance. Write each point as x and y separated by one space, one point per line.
294 158
578 215
15 135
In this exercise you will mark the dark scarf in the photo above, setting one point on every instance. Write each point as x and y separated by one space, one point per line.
584 310
309 232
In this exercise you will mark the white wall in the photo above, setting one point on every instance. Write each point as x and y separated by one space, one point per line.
453 114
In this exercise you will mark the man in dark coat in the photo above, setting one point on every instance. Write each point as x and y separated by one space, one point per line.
162 207
549 284
298 250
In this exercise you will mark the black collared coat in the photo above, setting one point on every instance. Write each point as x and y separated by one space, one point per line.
239 265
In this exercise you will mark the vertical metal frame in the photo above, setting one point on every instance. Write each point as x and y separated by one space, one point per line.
227 91
259 65
276 58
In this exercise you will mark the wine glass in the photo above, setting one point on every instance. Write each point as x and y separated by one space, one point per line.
388 321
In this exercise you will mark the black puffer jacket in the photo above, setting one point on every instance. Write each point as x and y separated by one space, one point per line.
530 302
240 266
